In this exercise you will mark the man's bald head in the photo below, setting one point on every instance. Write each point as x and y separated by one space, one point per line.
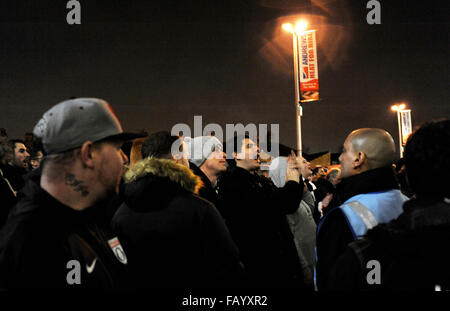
366 149
377 144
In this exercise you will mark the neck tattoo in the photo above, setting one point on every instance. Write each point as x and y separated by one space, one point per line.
76 184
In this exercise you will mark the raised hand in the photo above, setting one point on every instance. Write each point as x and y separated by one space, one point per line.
292 169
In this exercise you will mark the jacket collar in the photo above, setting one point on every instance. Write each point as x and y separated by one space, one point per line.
379 179
197 171
168 169
241 171
35 199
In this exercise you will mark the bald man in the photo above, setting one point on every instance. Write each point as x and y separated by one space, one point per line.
368 195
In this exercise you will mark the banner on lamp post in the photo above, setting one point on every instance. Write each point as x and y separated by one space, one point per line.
405 117
308 69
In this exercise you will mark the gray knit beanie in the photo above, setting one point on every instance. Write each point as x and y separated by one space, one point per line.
201 147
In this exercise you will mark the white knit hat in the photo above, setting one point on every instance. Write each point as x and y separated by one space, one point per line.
201 147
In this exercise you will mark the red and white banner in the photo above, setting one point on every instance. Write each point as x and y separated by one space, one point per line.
308 69
405 117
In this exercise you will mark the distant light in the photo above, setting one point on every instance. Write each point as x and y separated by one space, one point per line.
288 27
300 26
398 107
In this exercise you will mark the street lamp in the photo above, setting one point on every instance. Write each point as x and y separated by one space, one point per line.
296 30
399 108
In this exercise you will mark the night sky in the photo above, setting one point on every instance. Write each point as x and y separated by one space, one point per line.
161 62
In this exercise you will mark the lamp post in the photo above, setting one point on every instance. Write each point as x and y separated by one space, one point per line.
296 31
399 108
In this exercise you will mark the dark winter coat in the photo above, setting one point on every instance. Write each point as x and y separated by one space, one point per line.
255 214
176 240
413 252
15 175
207 192
334 232
8 197
42 236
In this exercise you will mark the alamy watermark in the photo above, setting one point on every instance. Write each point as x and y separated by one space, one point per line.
374 15
74 15
374 275
74 275
258 134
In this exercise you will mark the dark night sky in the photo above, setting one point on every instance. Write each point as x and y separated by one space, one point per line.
161 62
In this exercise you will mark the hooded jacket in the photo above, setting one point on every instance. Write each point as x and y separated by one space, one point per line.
176 240
46 245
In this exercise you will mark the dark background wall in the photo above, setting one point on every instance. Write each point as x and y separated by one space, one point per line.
161 62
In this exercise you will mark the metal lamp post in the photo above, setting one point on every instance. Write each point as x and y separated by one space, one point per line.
299 28
398 108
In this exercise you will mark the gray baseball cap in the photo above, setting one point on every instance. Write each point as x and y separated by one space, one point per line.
71 123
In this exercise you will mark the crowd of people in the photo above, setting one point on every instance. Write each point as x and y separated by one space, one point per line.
78 212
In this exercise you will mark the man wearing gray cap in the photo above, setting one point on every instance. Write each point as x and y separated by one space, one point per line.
53 238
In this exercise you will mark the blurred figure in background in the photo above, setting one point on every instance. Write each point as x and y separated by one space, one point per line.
325 196
163 145
3 133
28 140
136 150
36 158
18 165
8 195
334 176
400 172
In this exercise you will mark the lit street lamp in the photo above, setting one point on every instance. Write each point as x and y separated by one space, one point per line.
399 108
296 31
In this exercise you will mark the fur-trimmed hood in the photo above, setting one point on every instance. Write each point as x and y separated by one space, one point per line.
158 181
165 168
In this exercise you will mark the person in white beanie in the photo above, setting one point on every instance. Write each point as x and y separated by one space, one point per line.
301 222
207 160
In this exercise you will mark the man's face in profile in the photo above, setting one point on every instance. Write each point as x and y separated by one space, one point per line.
249 154
111 166
20 156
